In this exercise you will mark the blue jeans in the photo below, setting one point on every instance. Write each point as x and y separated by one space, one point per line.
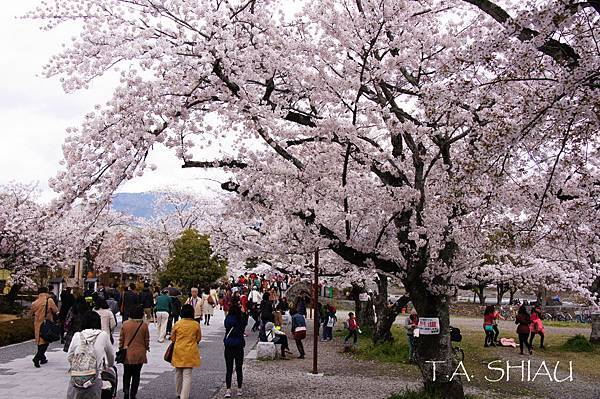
327 332
411 346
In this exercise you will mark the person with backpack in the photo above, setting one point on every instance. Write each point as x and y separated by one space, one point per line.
175 312
134 336
353 329
42 309
234 346
89 353
185 336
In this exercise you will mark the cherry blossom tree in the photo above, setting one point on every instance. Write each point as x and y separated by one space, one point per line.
391 133
30 239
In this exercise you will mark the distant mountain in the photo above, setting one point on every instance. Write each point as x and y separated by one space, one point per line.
137 204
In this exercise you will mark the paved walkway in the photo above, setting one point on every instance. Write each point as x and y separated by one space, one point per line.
19 379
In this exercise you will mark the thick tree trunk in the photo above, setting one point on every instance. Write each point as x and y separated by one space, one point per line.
501 289
512 293
479 291
386 314
363 310
595 335
442 379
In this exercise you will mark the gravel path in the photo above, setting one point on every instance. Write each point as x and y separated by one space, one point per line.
342 376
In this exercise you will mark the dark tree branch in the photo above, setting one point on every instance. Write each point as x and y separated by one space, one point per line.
560 52
214 164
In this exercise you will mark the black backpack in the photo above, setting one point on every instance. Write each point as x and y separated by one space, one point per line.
455 335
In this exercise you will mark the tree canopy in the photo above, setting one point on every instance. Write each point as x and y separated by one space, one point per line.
192 262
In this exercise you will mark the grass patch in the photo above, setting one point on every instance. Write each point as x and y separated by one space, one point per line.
15 331
578 343
387 352
572 324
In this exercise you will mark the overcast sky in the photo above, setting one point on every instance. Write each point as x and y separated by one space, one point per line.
34 111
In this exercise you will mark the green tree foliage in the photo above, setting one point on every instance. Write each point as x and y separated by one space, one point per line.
192 263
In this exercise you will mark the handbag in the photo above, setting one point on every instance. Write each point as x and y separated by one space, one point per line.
121 354
169 352
49 330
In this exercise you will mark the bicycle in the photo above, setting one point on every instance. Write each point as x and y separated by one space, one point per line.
457 352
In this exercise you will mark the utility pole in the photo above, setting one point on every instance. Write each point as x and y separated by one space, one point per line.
315 313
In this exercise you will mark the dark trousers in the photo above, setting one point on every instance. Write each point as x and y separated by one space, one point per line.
496 332
131 379
523 341
533 336
300 347
352 333
207 319
172 320
489 337
41 352
327 332
234 354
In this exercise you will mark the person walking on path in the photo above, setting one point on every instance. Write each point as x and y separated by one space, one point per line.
523 321
130 300
208 306
353 329
107 318
410 324
185 336
74 321
147 301
536 327
196 303
66 302
488 326
163 309
299 331
102 351
135 336
43 308
234 346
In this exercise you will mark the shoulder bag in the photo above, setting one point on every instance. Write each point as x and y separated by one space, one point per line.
49 330
121 355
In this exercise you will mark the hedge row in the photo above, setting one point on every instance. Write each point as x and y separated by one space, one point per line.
15 331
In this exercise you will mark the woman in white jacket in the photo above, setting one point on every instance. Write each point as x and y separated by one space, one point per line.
104 353
107 318
208 306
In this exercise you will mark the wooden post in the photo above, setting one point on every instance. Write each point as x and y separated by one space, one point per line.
315 313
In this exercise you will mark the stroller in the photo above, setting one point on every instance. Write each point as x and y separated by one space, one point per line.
110 382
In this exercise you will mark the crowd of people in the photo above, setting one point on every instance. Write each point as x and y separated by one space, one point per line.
87 325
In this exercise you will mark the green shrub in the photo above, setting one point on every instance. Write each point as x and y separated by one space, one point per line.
15 331
578 343
10 308
389 352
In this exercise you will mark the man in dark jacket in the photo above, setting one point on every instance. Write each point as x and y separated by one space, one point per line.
147 301
130 300
66 302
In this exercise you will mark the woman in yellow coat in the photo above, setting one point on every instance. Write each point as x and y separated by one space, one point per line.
185 335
